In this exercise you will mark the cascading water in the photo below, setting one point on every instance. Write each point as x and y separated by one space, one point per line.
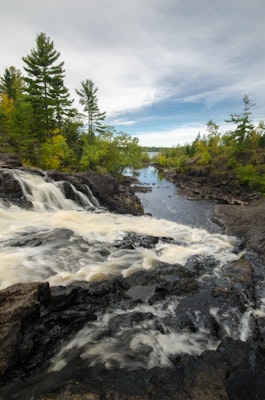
61 241
85 249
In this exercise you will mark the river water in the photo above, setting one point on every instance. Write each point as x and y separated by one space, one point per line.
164 202
29 251
62 241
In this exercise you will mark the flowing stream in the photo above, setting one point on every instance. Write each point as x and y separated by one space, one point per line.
61 241
163 201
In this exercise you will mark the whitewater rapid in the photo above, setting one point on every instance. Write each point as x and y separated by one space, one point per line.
60 241
88 251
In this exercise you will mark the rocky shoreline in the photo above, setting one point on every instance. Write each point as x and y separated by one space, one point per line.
238 211
36 319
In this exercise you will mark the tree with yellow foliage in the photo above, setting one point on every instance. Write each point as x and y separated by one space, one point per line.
55 153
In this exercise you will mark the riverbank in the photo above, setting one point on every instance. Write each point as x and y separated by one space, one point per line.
238 211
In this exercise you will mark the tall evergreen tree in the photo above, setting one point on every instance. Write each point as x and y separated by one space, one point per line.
45 87
88 99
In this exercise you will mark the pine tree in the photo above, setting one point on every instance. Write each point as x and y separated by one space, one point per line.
243 124
45 87
88 99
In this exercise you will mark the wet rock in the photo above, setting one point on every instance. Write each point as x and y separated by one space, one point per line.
19 304
199 263
11 191
177 288
141 189
35 319
133 240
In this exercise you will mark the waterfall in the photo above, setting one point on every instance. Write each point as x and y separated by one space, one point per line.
64 241
49 195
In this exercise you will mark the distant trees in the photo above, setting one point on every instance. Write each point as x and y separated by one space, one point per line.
88 99
236 155
12 83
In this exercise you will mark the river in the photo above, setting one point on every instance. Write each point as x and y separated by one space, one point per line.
176 260
164 202
85 248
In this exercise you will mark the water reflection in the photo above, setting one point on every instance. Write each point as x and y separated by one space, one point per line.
165 202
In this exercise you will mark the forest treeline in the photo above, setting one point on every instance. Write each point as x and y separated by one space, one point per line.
238 154
39 123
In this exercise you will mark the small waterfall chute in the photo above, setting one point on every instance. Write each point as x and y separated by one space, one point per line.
45 194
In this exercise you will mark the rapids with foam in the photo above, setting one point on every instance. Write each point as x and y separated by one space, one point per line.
61 241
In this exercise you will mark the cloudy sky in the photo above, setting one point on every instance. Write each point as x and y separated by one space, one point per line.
163 68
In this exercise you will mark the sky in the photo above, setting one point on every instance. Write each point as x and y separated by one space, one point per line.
163 68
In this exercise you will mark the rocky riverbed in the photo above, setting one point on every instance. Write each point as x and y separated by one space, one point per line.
37 319
187 331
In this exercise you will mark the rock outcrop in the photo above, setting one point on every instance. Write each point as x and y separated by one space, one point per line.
202 183
111 193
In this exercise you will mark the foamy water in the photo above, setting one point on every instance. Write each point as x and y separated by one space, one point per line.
77 257
61 241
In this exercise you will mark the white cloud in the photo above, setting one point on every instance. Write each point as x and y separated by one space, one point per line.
122 122
140 53
167 138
